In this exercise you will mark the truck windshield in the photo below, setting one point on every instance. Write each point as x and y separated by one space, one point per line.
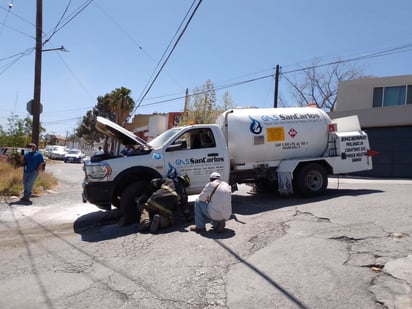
164 137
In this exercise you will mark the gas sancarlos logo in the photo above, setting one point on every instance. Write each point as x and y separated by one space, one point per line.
295 116
255 127
204 160
172 172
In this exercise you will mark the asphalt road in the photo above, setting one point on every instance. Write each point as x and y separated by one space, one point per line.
350 248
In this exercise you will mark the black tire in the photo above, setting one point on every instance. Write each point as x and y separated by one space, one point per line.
128 201
310 180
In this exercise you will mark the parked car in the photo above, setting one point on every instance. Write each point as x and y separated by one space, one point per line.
47 150
74 156
58 153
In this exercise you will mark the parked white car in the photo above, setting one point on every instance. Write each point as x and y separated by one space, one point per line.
74 156
58 153
47 150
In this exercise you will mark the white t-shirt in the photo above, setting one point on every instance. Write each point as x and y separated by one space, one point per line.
220 206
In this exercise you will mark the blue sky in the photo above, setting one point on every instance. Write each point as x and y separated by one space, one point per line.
119 43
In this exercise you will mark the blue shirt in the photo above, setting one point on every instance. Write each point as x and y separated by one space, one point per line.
32 161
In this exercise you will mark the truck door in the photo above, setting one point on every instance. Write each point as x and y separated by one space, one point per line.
196 154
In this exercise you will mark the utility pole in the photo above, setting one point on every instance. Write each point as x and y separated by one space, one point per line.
275 99
37 74
186 103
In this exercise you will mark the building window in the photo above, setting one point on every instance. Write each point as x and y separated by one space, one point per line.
391 96
409 95
377 96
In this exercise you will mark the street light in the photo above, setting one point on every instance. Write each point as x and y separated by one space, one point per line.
61 48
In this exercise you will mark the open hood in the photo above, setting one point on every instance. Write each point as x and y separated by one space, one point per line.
119 133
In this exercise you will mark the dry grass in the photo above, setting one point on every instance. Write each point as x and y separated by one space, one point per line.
11 181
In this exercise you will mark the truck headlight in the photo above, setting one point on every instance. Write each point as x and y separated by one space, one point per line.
97 170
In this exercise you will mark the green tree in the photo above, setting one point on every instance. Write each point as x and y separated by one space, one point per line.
121 104
18 133
86 129
115 106
203 106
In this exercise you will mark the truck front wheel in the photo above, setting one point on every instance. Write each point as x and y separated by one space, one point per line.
129 202
311 180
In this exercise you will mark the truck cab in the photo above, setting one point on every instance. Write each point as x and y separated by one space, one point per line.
112 179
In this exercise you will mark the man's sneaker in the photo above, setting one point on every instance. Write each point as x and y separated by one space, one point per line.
194 228
220 227
154 225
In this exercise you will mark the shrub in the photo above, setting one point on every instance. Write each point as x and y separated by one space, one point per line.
11 180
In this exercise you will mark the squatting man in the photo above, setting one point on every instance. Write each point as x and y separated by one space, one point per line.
213 205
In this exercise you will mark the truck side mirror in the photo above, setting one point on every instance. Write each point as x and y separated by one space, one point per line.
181 144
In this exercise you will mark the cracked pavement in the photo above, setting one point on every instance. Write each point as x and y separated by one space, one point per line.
351 248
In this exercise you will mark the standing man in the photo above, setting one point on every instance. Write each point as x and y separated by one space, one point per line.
213 205
33 163
99 151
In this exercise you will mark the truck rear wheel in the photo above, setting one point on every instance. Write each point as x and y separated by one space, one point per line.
129 200
311 180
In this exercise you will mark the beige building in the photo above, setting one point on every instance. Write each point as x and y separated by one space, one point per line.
384 107
148 126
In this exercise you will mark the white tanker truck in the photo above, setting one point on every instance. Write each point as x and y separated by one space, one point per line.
289 149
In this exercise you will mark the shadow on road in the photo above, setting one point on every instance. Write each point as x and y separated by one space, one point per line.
257 203
20 202
103 225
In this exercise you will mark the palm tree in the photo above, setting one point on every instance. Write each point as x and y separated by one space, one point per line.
121 104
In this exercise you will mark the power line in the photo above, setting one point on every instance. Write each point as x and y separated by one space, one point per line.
16 30
18 16
166 49
385 52
58 22
168 56
5 17
17 57
225 86
61 120
68 19
127 33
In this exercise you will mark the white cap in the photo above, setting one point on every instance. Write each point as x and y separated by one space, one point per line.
214 175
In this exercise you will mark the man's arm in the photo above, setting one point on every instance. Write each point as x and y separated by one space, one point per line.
204 195
41 165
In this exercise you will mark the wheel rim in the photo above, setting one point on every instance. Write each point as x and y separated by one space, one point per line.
315 180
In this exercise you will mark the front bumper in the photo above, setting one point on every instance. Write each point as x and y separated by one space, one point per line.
98 193
73 159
